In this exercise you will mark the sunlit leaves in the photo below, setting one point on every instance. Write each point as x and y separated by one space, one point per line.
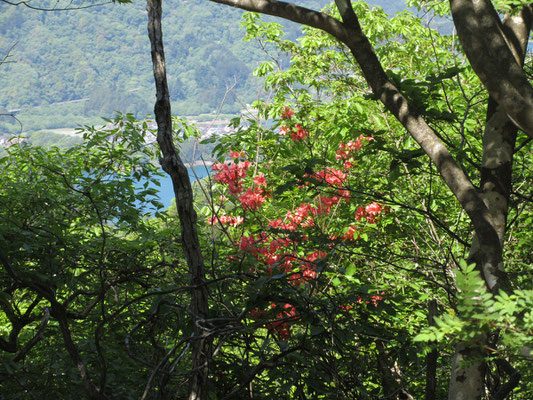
480 312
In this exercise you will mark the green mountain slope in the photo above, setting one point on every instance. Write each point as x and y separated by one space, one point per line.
71 67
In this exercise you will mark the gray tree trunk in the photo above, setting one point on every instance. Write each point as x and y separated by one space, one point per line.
468 369
174 166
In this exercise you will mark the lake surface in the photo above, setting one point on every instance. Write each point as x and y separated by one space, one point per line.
166 191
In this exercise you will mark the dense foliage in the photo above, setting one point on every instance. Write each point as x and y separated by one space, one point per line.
83 263
355 238
329 239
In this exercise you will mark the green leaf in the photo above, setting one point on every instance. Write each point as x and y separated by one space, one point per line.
336 282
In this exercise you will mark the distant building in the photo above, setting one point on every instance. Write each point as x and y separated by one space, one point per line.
10 141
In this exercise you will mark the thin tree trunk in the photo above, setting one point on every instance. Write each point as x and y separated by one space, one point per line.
390 375
174 166
91 391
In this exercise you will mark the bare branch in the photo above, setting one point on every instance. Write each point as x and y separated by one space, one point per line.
8 54
68 8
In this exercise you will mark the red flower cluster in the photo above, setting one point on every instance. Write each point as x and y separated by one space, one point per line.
280 254
247 243
264 251
373 299
237 154
336 179
287 113
232 175
350 234
345 150
282 323
370 212
252 199
275 254
327 203
260 180
298 133
302 216
332 176
226 220
282 326
307 269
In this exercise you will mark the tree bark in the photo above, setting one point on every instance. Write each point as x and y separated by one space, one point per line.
488 49
467 380
174 166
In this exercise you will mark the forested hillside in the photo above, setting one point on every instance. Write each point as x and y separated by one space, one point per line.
67 68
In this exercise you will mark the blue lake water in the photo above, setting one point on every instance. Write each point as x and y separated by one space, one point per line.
166 191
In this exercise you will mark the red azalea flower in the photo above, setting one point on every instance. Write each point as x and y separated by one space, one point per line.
287 113
300 133
252 199
260 180
373 208
236 154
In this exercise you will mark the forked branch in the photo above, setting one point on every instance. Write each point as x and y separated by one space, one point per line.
350 33
485 44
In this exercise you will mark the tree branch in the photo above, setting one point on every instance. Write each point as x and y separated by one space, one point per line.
36 338
293 13
350 33
485 44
